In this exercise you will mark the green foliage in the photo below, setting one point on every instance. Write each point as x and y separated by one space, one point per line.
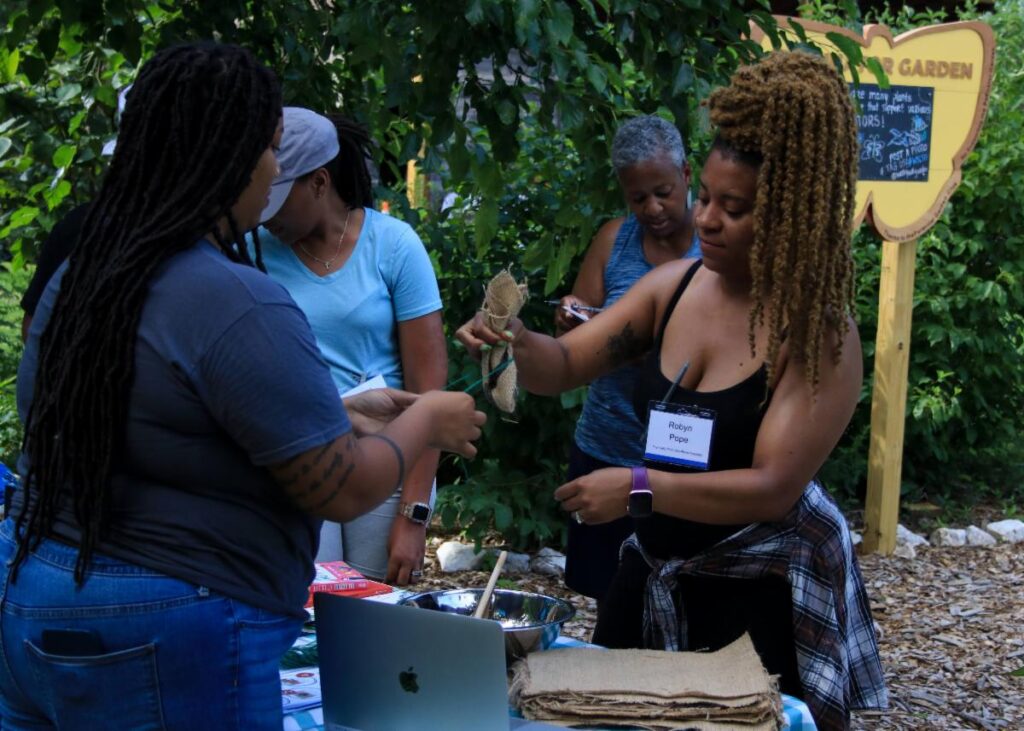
61 65
966 375
13 281
509 108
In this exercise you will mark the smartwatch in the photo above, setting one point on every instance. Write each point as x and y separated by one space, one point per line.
641 499
416 512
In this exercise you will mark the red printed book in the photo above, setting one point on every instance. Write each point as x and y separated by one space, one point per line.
337 577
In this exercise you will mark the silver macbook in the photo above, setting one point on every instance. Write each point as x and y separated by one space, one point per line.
392 668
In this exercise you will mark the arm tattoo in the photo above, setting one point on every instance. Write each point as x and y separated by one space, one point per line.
625 347
398 456
303 494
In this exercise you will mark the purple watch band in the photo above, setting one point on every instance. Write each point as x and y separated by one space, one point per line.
640 483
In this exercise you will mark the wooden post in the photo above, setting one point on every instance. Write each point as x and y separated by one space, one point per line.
889 396
413 184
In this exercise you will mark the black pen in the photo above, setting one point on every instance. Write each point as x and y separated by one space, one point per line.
583 308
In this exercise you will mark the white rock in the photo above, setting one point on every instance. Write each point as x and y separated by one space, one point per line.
903 535
549 562
1007 531
517 563
856 538
905 550
949 537
455 556
977 537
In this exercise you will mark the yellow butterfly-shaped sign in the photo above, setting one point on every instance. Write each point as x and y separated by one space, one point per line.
916 134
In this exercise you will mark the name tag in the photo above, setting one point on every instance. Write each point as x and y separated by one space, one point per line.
679 434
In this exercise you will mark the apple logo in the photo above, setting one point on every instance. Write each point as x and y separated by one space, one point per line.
407 679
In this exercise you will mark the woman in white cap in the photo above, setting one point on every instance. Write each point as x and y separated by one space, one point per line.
368 288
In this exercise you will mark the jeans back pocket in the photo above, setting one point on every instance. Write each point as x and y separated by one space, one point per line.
90 691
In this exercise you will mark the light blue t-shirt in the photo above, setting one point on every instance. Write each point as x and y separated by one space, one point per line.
354 312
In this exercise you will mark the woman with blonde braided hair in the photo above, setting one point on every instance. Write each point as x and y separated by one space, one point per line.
751 371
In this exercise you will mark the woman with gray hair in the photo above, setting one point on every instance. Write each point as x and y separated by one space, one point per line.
650 162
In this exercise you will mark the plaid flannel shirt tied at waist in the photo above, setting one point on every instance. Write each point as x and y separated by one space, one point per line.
811 548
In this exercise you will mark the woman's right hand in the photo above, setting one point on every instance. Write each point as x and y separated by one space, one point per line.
455 420
476 336
565 320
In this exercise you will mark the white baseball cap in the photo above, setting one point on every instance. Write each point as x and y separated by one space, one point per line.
309 141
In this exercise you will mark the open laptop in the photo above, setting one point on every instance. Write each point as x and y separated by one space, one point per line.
391 668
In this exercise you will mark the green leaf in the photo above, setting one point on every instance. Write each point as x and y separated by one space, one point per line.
683 80
475 12
132 42
850 48
538 252
64 155
70 11
49 40
485 225
106 95
55 196
568 216
561 22
23 216
76 121
502 516
68 92
799 30
5 145
1018 673
36 10
597 78
875 67
10 67
570 112
458 161
488 177
506 112
33 67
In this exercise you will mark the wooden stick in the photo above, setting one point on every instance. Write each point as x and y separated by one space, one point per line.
485 598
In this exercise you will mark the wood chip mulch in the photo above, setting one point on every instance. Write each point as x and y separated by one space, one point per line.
951 626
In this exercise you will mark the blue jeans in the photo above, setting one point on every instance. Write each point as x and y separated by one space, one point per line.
131 648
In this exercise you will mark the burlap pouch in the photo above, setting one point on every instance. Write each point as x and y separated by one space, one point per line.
503 299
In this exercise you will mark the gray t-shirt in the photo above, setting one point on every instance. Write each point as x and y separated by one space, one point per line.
228 379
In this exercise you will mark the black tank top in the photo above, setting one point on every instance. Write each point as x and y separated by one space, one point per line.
738 409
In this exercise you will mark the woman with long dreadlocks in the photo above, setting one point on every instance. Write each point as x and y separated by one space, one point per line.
752 369
367 286
183 435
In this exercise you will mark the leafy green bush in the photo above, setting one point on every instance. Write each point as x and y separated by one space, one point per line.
525 152
966 376
13 281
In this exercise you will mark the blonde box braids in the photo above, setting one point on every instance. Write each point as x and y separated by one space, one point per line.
793 110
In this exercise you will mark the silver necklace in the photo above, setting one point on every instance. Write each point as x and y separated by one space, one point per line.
327 262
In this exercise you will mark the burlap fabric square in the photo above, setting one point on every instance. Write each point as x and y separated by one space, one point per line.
649 689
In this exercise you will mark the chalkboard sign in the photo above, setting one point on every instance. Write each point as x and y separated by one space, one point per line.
894 129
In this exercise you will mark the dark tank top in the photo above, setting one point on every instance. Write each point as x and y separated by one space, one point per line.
738 409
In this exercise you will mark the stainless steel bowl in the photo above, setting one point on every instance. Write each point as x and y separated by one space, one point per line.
530 621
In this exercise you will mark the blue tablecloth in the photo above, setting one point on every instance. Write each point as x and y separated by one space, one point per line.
798 715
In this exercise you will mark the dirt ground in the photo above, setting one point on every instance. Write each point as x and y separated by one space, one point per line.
951 627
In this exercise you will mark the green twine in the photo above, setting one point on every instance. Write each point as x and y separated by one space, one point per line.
479 382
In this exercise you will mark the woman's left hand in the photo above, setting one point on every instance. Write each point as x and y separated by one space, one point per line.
371 411
406 546
599 497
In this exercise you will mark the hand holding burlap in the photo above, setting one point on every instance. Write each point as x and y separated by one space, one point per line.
503 300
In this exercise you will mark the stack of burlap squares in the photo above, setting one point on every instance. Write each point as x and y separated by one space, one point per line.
649 689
